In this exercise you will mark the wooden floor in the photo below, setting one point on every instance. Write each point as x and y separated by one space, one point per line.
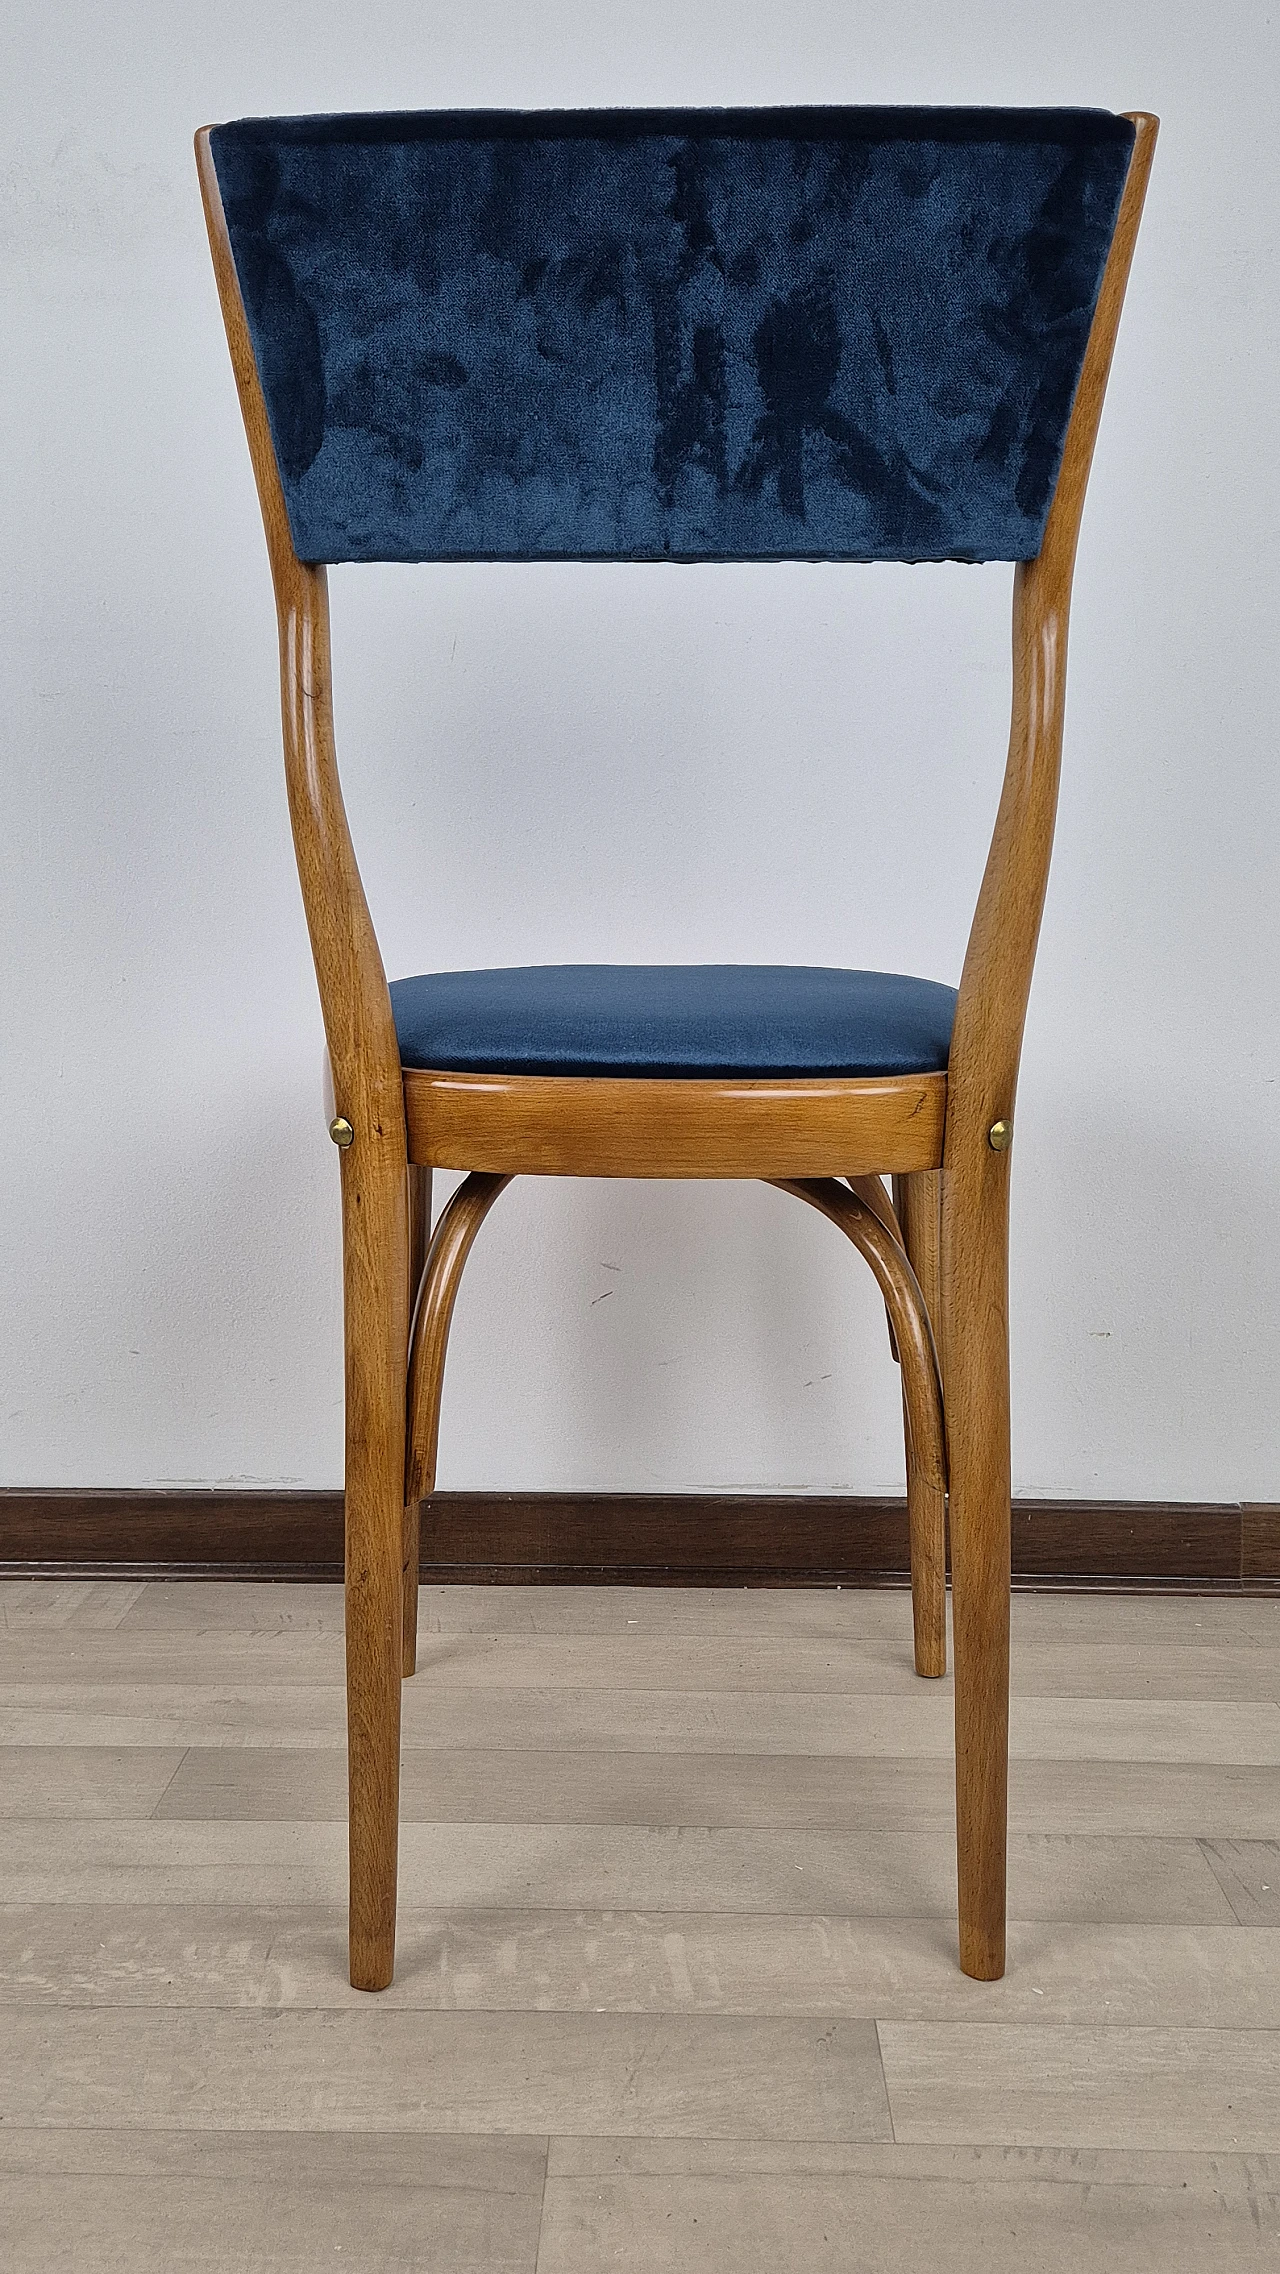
677 1986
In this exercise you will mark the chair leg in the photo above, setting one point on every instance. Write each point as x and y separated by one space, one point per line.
927 1534
917 1200
446 1259
419 1240
410 1557
375 1256
976 1343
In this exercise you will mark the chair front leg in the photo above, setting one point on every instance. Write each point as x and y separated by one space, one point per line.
975 1337
376 1277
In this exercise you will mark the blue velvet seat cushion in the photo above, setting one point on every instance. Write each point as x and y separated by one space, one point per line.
728 1019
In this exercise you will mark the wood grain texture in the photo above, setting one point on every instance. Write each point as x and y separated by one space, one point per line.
1260 1544
378 2069
450 1246
721 2210
678 1965
918 1205
364 1056
904 1873
759 1791
626 1655
564 1125
1248 1872
419 1242
1075 1621
982 1083
556 1960
1084 2087
866 1217
654 1540
112 2201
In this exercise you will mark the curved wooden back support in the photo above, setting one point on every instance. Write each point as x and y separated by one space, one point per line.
996 980
359 1026
981 1084
369 1093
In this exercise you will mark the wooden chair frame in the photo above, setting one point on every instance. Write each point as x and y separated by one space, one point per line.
939 1249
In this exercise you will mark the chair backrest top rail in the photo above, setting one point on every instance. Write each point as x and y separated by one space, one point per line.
829 333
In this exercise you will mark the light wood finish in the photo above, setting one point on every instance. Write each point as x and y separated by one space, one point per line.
419 1242
626 1952
365 1059
1085 2087
926 1499
918 1203
873 1195
571 1125
788 1132
722 2208
871 1190
871 1224
1140 1975
1090 1800
1090 1620
982 1084
451 1245
114 2201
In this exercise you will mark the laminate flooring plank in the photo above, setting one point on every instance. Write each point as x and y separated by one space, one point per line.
832 2223
593 1961
84 1780
1235 2177
47 1605
1248 1872
204 1606
1200 2089
1093 1617
241 1606
830 1613
916 1724
900 1873
1245 1672
586 1663
129 1660
170 1715
384 2070
1246 1733
740 1790
1241 1673
113 2202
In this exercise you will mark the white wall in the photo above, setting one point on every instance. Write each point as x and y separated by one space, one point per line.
714 763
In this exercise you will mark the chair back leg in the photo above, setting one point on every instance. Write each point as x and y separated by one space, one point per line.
975 1336
376 1277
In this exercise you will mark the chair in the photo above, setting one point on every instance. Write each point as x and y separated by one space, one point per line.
833 334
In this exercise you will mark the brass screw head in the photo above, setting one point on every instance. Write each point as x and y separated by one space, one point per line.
341 1131
1000 1136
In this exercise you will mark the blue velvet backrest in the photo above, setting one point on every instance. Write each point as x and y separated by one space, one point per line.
631 335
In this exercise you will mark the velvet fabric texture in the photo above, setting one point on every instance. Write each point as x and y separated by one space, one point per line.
769 1020
810 334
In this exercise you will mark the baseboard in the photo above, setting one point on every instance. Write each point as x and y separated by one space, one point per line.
641 1539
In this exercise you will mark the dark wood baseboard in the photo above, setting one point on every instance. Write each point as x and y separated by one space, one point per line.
642 1539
